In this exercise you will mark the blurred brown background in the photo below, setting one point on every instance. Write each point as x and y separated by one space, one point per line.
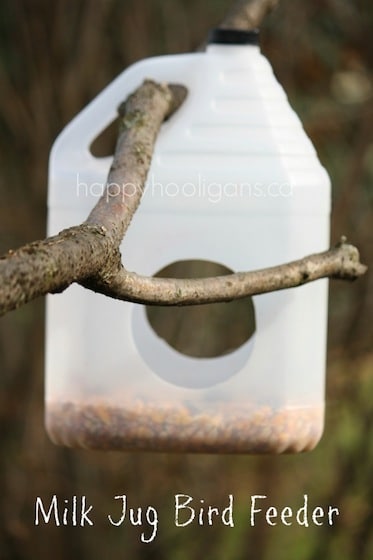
54 58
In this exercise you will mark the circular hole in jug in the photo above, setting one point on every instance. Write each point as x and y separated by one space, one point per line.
202 331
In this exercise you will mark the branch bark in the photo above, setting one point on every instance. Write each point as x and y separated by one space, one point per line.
89 253
248 14
341 262
91 250
141 116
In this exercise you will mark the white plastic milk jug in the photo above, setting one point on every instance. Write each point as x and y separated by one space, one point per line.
234 180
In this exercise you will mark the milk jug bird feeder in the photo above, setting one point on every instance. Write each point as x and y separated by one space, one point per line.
234 180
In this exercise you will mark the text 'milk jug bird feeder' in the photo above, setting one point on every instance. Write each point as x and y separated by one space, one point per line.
234 180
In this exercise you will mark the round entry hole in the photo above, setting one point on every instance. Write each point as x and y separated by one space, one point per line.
202 331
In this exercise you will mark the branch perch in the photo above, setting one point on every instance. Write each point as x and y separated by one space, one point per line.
341 262
91 250
89 253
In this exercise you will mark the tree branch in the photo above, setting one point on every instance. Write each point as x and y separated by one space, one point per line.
341 262
92 249
141 115
89 254
53 264
248 14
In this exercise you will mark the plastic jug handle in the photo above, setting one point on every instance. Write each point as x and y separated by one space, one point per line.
73 144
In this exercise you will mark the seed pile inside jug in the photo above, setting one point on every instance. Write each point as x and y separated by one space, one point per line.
184 428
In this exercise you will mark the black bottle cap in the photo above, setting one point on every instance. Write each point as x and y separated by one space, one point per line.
223 36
